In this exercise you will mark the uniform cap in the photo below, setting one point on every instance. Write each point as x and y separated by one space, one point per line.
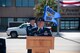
40 19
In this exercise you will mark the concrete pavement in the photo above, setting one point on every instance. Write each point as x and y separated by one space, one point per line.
61 45
3 34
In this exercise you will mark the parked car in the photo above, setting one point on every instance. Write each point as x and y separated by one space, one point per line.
14 32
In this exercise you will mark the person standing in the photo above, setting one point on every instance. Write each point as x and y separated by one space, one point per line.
30 26
40 30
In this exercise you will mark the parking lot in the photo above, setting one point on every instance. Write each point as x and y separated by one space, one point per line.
68 43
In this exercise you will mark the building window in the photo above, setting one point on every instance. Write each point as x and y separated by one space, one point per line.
4 23
4 3
18 2
69 23
26 19
25 3
15 19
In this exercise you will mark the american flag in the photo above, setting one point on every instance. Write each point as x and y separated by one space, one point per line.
65 3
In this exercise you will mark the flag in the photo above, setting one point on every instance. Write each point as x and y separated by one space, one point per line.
50 15
68 3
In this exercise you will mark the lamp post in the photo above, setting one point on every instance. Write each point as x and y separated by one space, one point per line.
46 2
58 10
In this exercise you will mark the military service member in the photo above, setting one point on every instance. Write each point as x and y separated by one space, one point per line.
32 25
40 30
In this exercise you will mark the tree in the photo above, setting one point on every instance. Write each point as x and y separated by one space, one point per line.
39 8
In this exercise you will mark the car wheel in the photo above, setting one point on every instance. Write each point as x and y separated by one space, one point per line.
14 35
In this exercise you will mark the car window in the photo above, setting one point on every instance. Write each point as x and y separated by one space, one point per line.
23 26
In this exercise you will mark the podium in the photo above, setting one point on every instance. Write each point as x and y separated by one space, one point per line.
39 44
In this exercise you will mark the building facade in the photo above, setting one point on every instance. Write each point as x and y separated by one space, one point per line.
70 18
12 11
20 11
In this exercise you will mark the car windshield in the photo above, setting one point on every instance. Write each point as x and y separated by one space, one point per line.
23 25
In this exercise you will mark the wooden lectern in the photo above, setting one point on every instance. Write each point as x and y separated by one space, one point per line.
40 44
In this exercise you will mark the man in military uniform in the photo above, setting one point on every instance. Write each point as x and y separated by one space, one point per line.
40 30
30 26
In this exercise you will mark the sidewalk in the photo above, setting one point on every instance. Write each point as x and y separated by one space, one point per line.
74 36
61 45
